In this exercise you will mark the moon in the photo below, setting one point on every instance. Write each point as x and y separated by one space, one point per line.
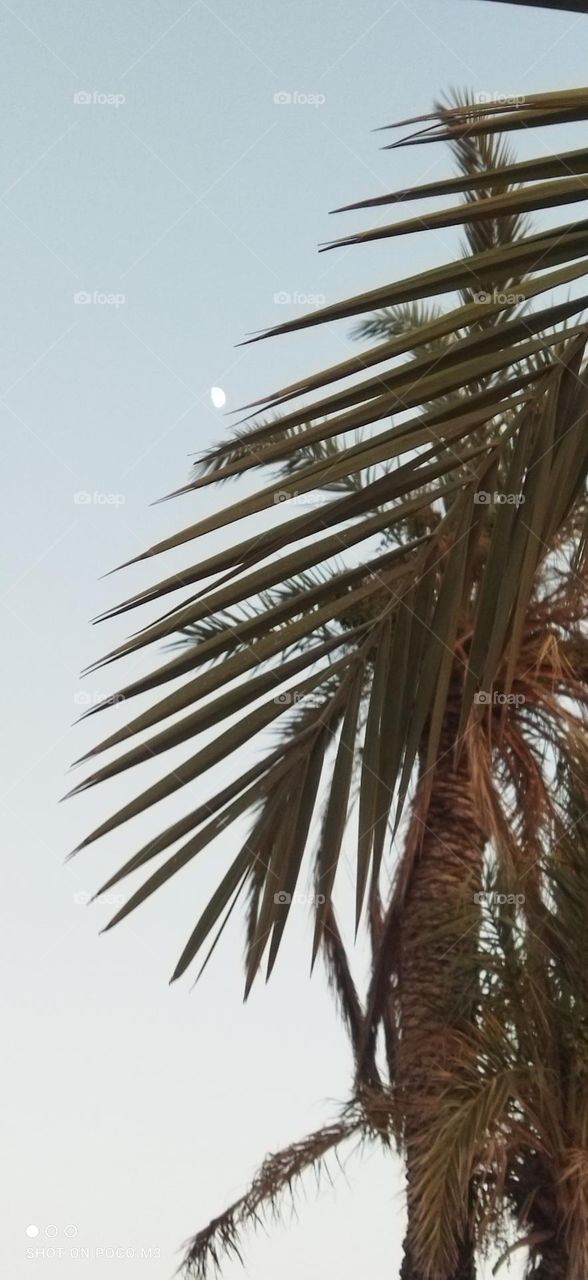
218 397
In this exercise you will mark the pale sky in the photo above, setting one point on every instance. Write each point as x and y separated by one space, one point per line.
180 198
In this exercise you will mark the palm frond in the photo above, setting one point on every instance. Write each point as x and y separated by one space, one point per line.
277 1177
460 588
570 6
343 985
394 322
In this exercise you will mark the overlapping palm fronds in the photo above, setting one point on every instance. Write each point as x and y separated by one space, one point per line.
417 640
512 1107
524 435
511 1111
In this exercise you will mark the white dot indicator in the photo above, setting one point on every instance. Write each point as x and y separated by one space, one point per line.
218 397
32 1231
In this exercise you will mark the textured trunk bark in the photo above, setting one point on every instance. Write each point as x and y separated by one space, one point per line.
439 929
532 1188
465 1270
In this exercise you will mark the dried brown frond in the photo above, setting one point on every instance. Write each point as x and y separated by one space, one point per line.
277 1177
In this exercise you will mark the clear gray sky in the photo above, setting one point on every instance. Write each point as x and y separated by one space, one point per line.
181 197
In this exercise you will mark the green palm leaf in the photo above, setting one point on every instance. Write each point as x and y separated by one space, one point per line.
489 400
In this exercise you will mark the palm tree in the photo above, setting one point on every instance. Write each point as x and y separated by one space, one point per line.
547 990
443 659
474 157
430 896
520 1116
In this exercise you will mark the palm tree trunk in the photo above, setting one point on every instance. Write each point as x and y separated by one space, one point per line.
438 991
534 1199
465 1269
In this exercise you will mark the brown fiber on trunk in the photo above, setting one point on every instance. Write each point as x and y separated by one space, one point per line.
553 1266
438 931
465 1269
532 1190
